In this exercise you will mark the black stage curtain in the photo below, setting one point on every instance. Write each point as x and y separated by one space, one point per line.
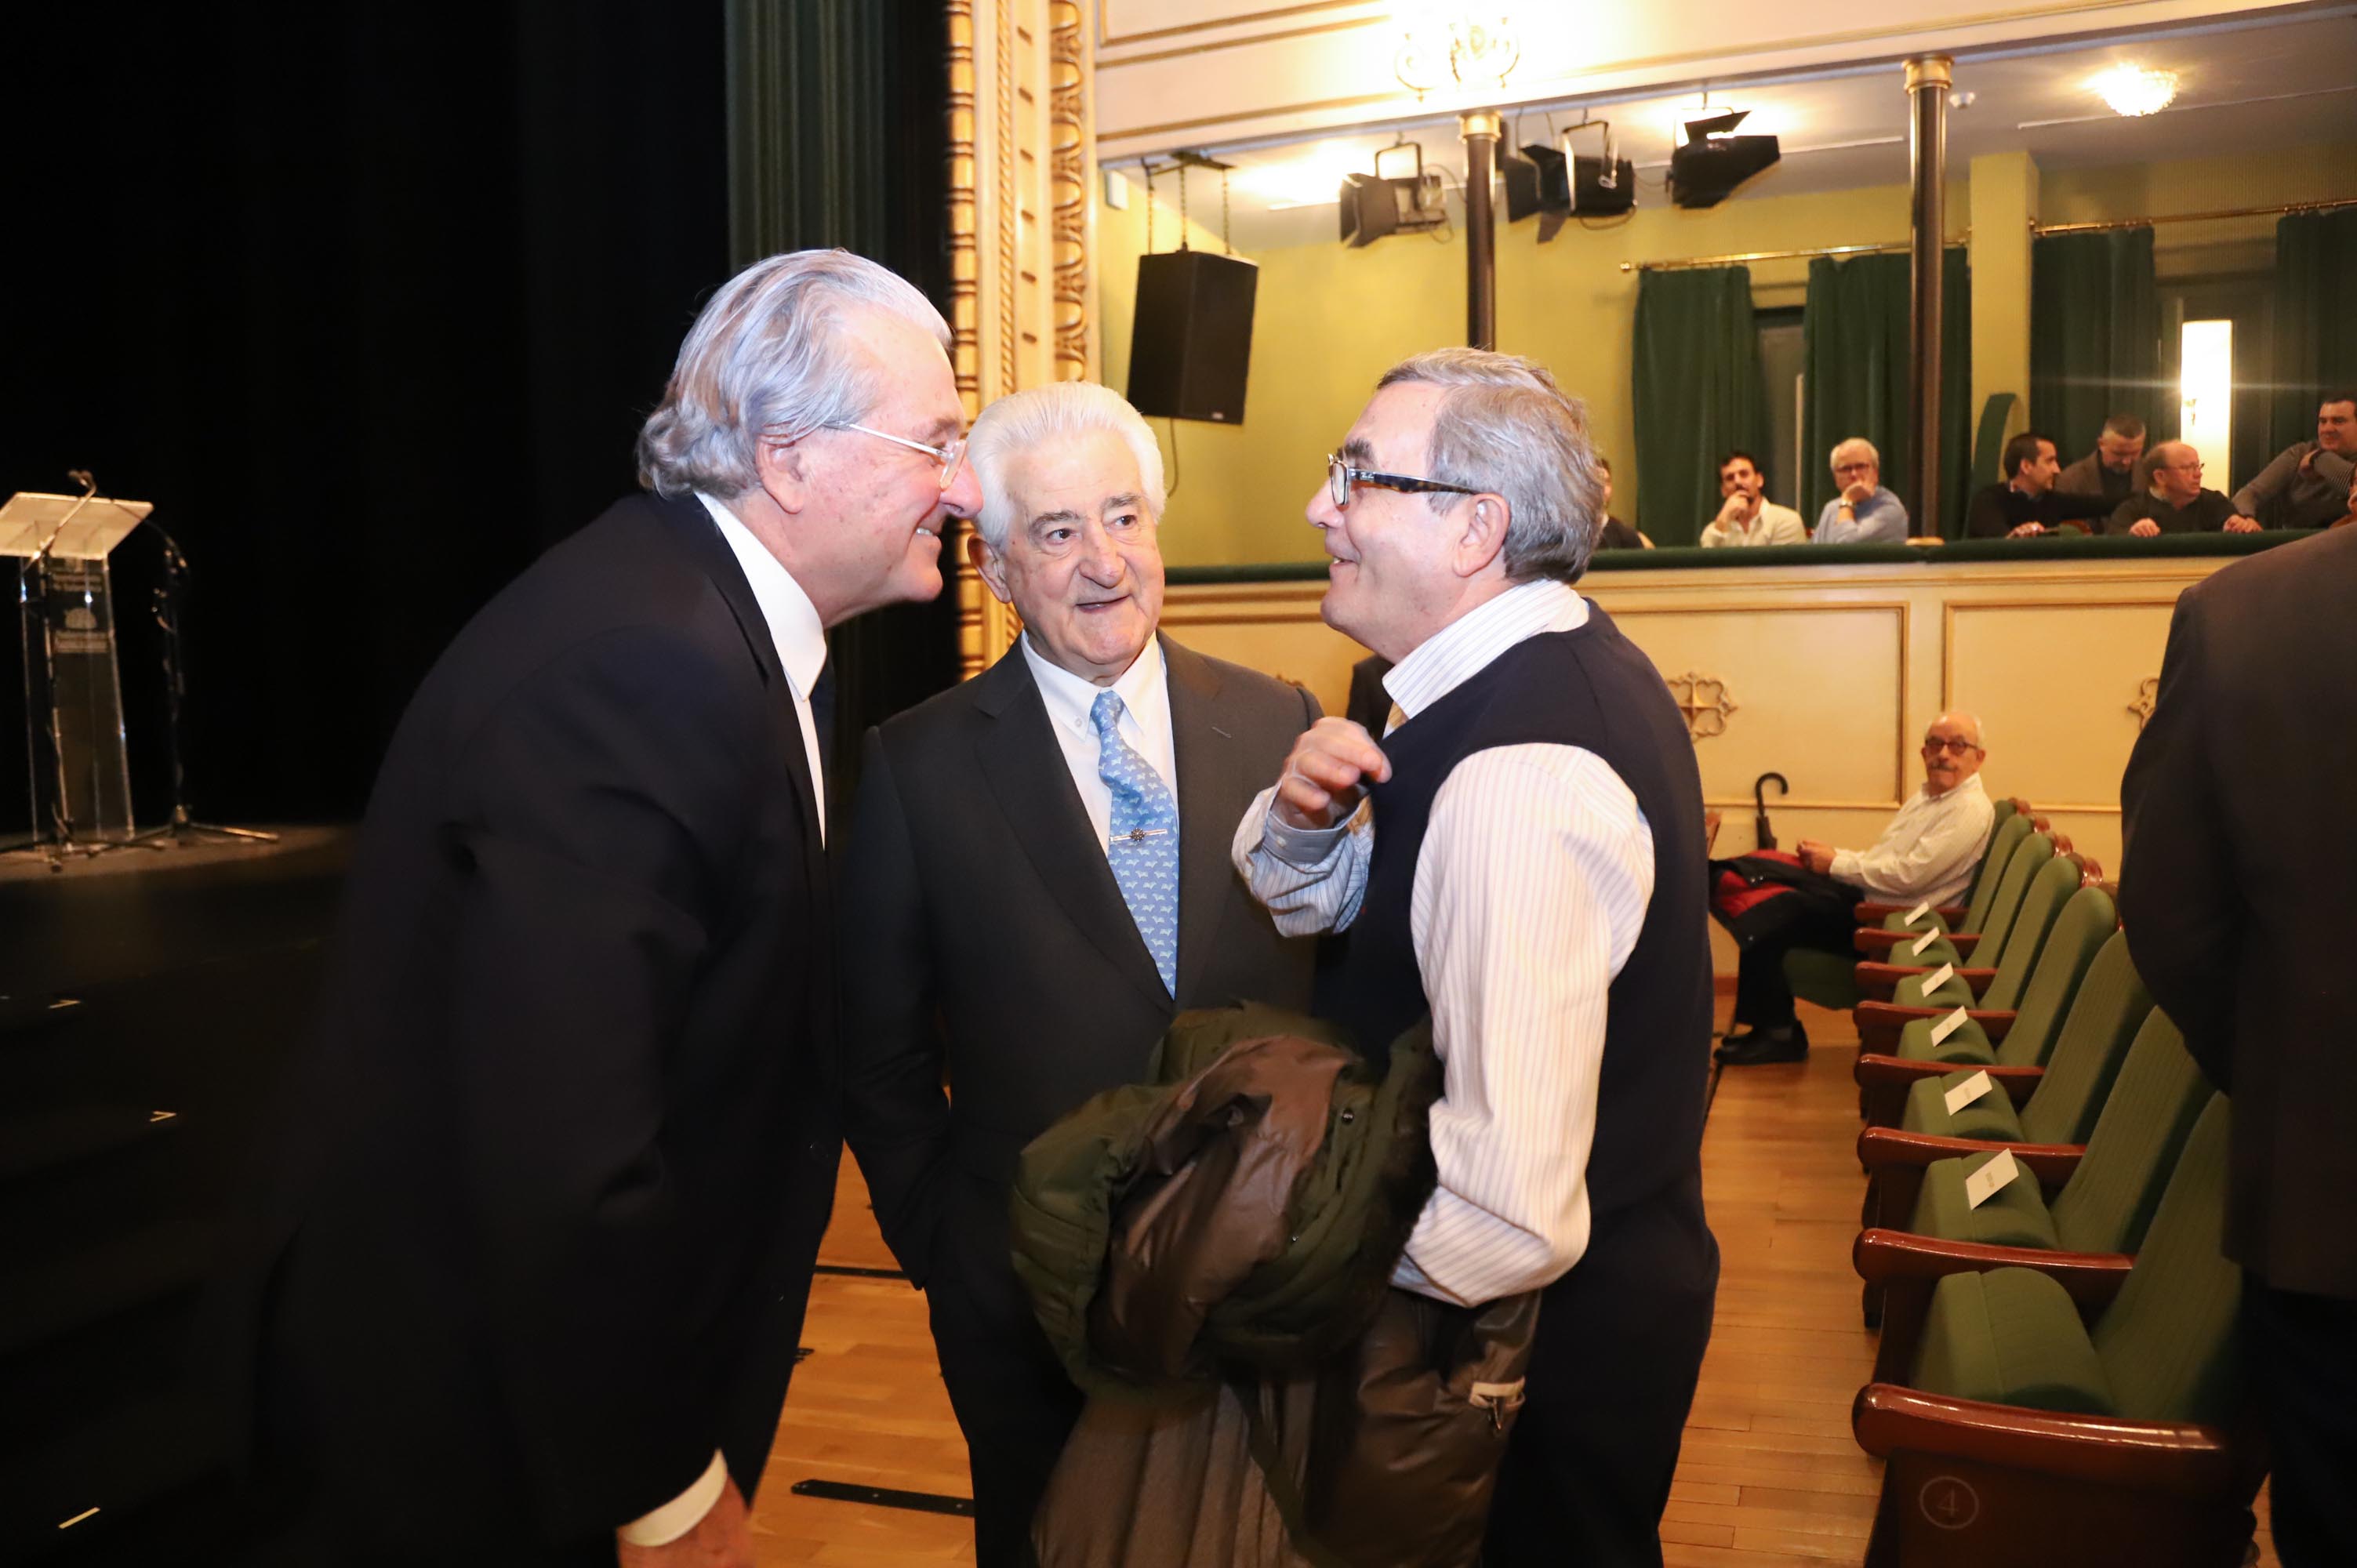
371 303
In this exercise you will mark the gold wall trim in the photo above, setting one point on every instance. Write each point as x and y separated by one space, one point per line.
1795 803
965 260
1068 162
1106 38
1953 608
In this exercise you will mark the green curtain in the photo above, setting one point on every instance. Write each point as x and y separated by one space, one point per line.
1856 354
2094 338
2315 329
1696 386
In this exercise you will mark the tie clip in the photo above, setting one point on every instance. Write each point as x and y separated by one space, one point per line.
1138 835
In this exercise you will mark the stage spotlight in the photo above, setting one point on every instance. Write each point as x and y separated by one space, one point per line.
1374 205
1706 170
1554 185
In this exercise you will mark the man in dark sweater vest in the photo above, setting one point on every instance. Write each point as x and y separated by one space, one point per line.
1521 857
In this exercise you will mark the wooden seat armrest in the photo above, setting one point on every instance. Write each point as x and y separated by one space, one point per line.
1879 1147
1879 981
1873 913
2092 1278
1873 940
2141 1456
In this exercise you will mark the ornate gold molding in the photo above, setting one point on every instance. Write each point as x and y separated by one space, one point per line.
965 264
1068 182
1702 699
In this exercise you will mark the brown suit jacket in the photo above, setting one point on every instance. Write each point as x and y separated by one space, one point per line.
2239 863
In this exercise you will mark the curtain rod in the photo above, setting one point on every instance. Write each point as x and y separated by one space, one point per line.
1893 247
2042 230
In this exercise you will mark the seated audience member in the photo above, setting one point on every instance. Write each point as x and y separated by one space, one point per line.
2177 503
2348 506
2110 470
2025 503
1864 513
1615 534
1745 516
2303 487
1925 855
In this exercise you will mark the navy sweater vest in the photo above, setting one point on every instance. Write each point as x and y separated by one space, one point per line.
1593 688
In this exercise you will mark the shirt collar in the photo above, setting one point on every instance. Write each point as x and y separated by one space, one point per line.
793 620
1071 700
1464 647
1964 790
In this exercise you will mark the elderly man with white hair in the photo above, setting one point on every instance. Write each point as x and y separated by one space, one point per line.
1926 854
563 1142
1037 882
1864 512
1519 857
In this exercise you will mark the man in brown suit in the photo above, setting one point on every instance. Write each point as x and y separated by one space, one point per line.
2239 860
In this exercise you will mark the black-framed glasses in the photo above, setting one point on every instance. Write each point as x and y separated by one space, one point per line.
1340 477
1955 742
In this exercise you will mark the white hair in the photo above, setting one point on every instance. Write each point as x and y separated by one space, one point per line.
1037 417
1504 426
767 358
1857 446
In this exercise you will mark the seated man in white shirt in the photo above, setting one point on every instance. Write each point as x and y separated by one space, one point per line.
1927 853
1745 517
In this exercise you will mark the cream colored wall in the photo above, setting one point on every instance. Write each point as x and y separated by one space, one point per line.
1329 319
1834 673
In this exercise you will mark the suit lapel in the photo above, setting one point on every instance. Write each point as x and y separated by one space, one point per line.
1210 802
1024 766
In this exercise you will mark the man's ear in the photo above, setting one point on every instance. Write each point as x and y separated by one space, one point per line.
989 565
1484 520
784 467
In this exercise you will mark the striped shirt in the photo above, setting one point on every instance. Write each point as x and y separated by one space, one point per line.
1530 890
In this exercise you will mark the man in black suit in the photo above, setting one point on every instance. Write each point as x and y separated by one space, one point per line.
1007 898
2238 865
565 1142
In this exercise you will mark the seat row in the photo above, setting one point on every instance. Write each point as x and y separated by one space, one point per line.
2040 1245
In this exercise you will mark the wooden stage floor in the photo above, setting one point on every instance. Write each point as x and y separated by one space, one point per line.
1769 1476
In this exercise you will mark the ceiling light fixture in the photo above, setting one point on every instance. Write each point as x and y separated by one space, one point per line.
1462 45
2134 90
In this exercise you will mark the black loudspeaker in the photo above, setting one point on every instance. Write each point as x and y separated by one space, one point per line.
1192 339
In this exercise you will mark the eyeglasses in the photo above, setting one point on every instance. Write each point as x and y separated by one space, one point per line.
1933 743
950 456
1340 477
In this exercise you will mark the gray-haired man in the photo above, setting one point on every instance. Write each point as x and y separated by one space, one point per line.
563 1147
1520 859
1037 882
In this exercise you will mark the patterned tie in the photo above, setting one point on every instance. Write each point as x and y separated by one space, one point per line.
1143 850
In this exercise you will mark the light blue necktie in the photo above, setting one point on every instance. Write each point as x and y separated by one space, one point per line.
1144 848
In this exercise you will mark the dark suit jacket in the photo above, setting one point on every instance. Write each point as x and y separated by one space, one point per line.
2237 871
983 928
1369 706
563 1144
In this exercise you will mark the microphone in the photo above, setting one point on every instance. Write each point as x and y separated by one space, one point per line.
81 477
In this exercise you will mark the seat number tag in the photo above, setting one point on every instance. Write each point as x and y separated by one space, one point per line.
1939 977
1984 1184
1925 940
1965 1093
1949 1024
1917 913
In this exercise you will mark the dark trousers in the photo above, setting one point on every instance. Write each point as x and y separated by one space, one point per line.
1010 1394
1818 912
2301 1353
1619 1352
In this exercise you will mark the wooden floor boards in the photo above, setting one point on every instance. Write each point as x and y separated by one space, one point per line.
1769 1477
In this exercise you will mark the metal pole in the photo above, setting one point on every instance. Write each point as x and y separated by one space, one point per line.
1928 80
1481 130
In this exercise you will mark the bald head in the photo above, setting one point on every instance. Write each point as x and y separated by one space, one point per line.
2176 472
1952 750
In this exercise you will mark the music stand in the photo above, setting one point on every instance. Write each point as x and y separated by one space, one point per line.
82 799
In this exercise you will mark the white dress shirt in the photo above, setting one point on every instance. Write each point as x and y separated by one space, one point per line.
793 626
1530 889
801 651
1145 692
1774 525
1928 851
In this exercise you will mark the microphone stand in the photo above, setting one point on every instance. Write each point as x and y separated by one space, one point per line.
36 570
180 828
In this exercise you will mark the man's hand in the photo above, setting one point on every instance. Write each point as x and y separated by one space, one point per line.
1817 856
1321 784
1857 493
2028 530
2308 461
2145 528
2239 524
721 1538
1737 510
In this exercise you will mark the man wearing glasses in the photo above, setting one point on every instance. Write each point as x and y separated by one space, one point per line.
1519 857
564 1139
2176 502
1926 854
1036 882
